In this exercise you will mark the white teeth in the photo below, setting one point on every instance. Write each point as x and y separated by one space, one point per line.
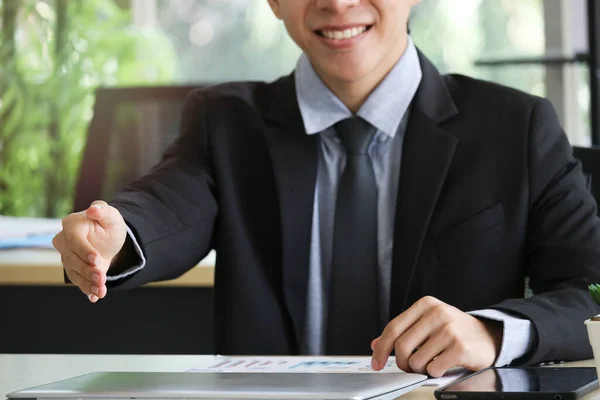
345 34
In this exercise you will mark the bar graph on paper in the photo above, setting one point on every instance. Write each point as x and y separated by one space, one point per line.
308 365
291 364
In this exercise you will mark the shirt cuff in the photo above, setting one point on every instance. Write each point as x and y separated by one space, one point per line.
518 335
136 267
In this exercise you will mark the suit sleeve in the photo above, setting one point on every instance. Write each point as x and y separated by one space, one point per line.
172 210
563 246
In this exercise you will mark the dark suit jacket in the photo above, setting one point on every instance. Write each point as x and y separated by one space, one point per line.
489 194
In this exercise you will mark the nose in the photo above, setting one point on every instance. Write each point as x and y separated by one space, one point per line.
336 5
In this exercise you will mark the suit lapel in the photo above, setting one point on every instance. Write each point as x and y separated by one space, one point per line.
427 154
426 157
295 159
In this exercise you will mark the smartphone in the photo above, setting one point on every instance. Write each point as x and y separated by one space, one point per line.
537 383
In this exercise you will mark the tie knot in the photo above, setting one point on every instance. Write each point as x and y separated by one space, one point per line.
355 134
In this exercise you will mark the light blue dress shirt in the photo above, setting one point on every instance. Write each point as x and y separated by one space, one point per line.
387 108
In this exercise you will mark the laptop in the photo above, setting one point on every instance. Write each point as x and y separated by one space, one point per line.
230 385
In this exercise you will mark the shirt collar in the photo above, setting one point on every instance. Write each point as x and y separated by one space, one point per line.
384 108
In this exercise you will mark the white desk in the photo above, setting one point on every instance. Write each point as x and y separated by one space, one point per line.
21 371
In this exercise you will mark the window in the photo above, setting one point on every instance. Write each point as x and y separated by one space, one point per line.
219 40
241 39
67 47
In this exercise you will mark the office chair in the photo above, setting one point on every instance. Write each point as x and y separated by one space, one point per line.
129 131
590 162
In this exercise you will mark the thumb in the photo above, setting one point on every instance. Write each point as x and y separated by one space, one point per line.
104 214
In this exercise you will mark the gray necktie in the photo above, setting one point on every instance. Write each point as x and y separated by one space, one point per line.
353 309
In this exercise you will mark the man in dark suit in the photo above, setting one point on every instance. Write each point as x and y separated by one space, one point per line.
365 203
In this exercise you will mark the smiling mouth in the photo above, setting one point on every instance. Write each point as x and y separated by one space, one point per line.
343 34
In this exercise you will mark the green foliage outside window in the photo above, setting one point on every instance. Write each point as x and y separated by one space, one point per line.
53 55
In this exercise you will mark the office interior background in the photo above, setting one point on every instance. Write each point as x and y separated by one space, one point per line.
91 93
55 54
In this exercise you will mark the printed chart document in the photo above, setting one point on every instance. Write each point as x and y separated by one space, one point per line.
309 365
24 232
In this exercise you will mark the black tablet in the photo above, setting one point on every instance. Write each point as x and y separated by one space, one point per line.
536 383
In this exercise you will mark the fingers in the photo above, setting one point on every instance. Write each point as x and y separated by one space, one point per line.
74 237
443 336
424 332
432 348
87 248
374 343
415 337
90 290
90 279
396 328
104 214
93 275
449 358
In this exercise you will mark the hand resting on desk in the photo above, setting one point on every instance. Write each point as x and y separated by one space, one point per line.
88 243
443 336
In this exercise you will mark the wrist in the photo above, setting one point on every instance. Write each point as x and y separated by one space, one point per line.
125 258
495 330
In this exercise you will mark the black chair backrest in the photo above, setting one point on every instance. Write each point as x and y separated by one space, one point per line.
129 131
131 128
590 162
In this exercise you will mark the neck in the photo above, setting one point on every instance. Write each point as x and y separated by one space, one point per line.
354 93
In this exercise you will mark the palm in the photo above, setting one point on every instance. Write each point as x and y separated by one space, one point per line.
107 241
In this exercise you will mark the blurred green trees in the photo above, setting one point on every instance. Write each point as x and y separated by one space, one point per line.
241 39
53 55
